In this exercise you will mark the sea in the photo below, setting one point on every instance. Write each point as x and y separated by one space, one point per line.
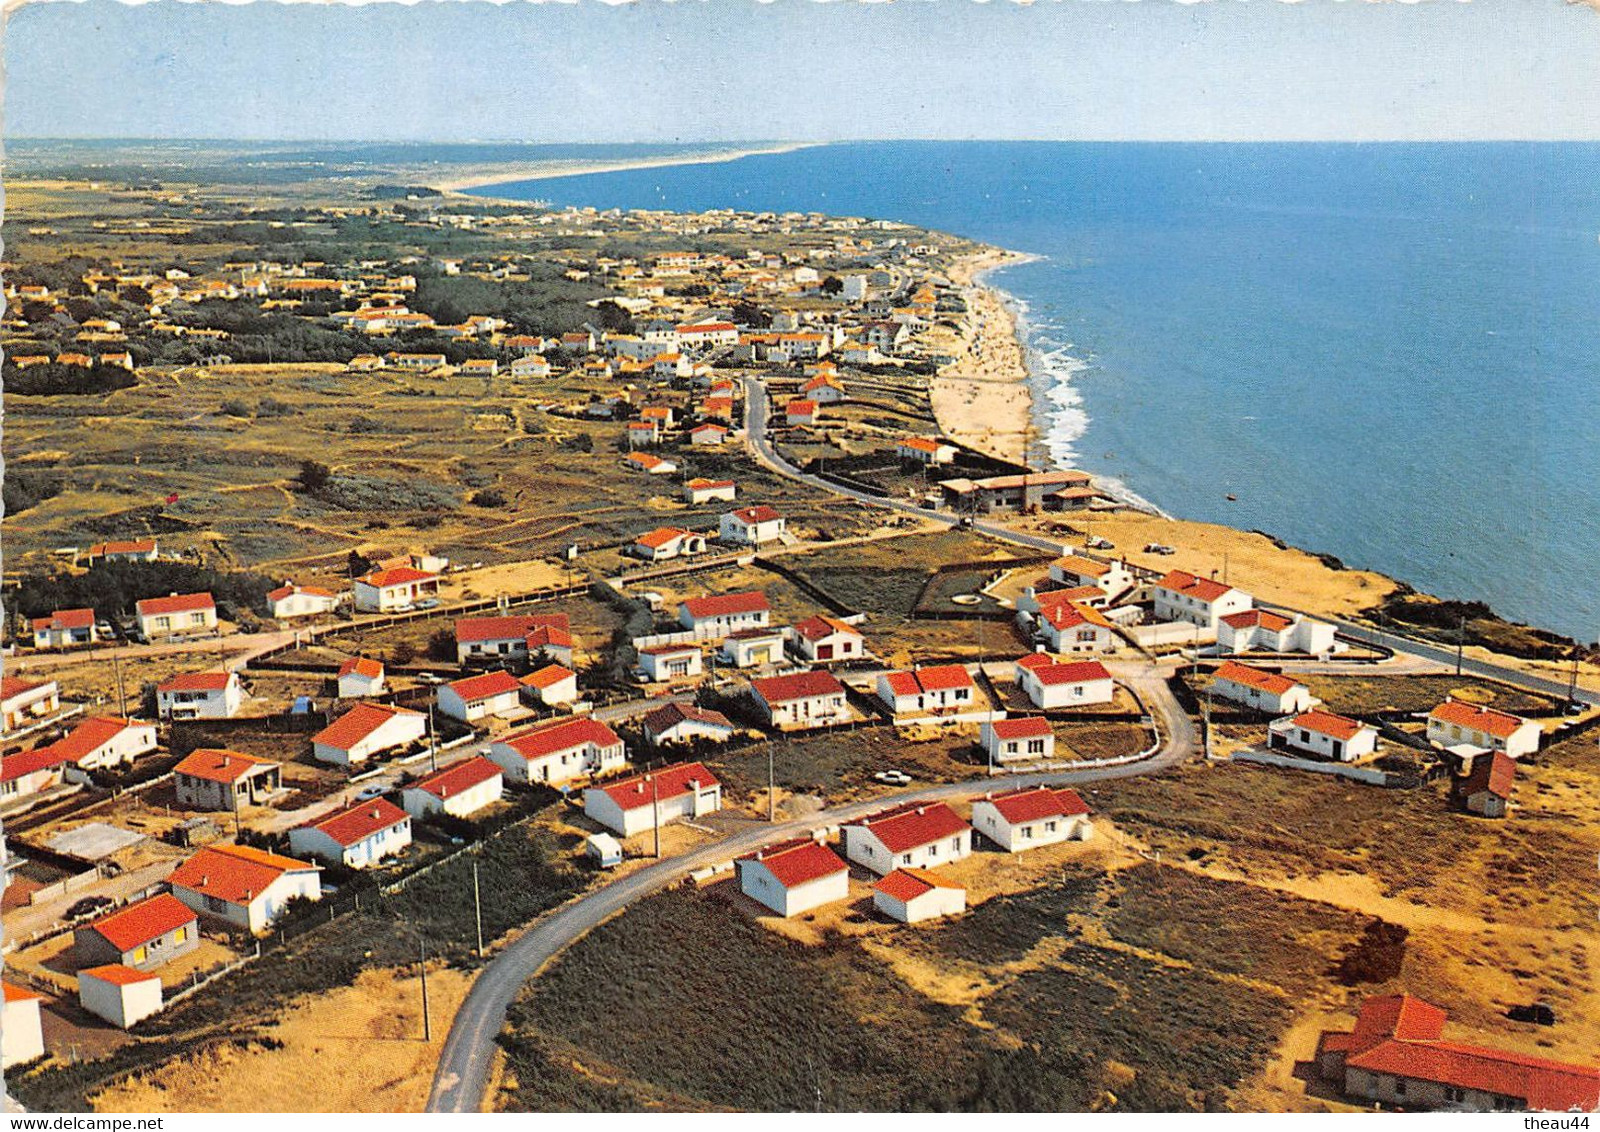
1385 352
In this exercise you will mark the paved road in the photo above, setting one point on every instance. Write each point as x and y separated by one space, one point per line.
1446 656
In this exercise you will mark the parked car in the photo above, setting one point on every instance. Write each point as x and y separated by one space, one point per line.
1098 543
892 778
371 792
1158 548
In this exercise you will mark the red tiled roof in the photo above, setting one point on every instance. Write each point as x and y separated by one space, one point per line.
1073 672
18 994
1327 723
1253 617
472 629
1034 803
1066 614
92 734
911 827
548 676
564 736
361 666
357 723
1494 772
1083 567
935 678
452 780
548 636
760 513
195 682
660 537
284 591
819 627
482 687
358 822
140 923
723 605
1183 582
63 619
796 686
174 603
1021 727
16 766
666 783
119 975
13 686
798 862
1272 682
399 575
217 764
699 484
669 715
233 873
1500 724
123 546
908 884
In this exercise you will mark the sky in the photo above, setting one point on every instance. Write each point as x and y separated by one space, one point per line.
729 70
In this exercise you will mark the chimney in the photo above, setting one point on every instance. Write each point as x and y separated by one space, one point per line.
205 879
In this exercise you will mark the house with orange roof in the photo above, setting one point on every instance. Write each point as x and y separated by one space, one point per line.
249 888
721 614
1032 817
701 490
1050 683
1017 737
824 389
1077 570
670 662
143 935
1261 630
668 542
919 835
200 695
119 994
514 637
360 676
63 629
1261 690
399 588
554 753
1397 1055
914 895
123 550
1323 734
801 412
28 773
215 778
24 701
460 790
357 837
708 434
176 615
21 1034
793 877
551 685
925 450
1070 626
107 741
1456 723
824 640
1203 602
800 700
1485 788
366 731
291 600
479 697
680 792
936 688
751 526
648 463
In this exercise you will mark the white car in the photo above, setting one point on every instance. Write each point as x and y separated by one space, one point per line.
892 778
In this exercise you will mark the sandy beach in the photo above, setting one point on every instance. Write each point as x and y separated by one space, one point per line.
984 399
486 176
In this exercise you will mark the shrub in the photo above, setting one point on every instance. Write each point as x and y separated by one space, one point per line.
488 498
1374 958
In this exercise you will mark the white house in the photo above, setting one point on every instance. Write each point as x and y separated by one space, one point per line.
248 888
290 600
1265 691
700 490
385 591
1032 817
1017 737
107 741
937 688
1076 570
668 542
1324 734
360 677
31 772
801 700
63 629
176 615
200 695
721 614
684 790
1456 723
460 791
215 778
920 835
23 701
925 450
1204 602
685 723
555 753
708 434
793 877
670 662
515 636
120 995
477 697
823 639
754 648
367 730
913 895
357 837
1050 684
21 1036
751 526
1069 626
1259 630
552 685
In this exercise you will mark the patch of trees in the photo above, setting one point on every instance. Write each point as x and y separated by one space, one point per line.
28 488
1374 958
112 588
401 192
53 379
546 303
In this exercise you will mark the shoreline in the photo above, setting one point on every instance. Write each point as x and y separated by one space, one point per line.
576 167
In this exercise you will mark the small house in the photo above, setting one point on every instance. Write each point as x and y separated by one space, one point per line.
1324 734
555 753
107 741
1032 817
360 677
460 790
754 648
551 685
479 697
823 640
1456 723
940 688
920 835
249 888
176 615
722 614
700 490
215 778
290 600
200 695
23 701
21 1034
676 723
143 935
801 700
119 994
793 877
64 629
751 526
395 589
678 792
1485 789
1017 737
1264 691
670 662
1050 684
668 542
365 731
357 837
913 895
1203 602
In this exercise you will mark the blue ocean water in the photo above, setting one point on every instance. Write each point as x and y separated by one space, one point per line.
1390 353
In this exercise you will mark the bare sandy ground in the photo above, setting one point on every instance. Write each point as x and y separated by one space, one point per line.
546 170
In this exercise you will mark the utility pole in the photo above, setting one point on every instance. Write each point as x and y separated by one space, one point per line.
1207 729
1572 684
1461 641
433 743
422 973
477 906
772 789
655 811
122 695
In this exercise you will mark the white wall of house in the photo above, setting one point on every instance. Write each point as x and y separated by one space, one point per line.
123 747
264 908
563 691
1363 743
1169 605
929 905
813 711
1297 699
223 704
674 665
1523 741
757 882
451 704
303 605
598 805
558 766
118 1003
1014 838
370 850
1081 694
462 804
355 686
731 529
21 1037
396 731
1010 750
158 625
834 646
862 847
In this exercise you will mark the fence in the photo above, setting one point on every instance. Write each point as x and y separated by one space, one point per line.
1355 773
199 983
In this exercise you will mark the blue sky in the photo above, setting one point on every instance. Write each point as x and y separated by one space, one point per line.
720 70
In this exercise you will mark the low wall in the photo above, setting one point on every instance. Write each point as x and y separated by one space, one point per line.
1355 773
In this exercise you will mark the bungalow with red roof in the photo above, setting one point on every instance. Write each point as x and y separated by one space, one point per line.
800 700
708 434
246 887
477 697
200 695
1261 630
1032 817
677 792
754 648
1456 723
937 688
644 433
368 730
359 677
1077 570
460 790
24 701
1050 684
670 662
668 542
1485 789
516 636
214 778
399 588
793 877
1397 1055
357 837
175 615
1264 691
674 723
919 835
701 490
21 1035
63 629
722 614
751 526
123 550
925 450
28 773
291 600
823 389
554 753
823 640
1070 626
913 895
1324 734
1204 602
650 464
107 741
119 994
801 412
551 685
142 935
1018 737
